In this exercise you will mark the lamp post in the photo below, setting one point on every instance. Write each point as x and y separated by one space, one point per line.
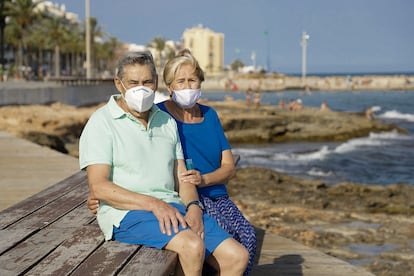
304 44
88 39
266 33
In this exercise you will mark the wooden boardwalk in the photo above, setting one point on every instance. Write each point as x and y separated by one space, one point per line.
27 169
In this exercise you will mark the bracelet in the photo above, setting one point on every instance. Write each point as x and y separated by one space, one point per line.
195 202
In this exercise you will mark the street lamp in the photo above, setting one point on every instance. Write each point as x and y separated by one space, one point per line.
266 33
304 43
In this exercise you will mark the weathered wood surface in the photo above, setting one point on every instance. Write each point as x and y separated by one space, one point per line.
54 233
280 256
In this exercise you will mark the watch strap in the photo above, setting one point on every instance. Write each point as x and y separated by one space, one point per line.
195 202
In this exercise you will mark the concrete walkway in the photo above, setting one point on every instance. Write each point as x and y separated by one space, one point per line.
27 168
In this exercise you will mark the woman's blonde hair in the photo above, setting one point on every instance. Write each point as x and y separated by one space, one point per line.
183 57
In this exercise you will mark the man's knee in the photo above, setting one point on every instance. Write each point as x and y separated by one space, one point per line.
187 243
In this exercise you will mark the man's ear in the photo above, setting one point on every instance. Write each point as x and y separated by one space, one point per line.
118 85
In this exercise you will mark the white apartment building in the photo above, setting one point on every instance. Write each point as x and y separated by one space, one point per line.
207 46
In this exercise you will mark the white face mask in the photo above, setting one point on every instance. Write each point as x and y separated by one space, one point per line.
139 98
186 98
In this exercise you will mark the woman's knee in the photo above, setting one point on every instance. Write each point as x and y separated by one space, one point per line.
232 255
240 255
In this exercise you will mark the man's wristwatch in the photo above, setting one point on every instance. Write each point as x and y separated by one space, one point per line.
195 202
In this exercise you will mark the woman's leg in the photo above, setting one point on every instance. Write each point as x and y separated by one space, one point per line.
229 217
229 258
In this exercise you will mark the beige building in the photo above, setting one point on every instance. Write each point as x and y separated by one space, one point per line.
207 46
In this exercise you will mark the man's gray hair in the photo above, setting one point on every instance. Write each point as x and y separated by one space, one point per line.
131 58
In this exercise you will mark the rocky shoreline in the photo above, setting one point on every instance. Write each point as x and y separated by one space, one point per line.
370 226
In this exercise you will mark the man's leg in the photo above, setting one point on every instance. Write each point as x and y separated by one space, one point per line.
190 249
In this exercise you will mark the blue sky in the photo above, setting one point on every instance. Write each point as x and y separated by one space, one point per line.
345 36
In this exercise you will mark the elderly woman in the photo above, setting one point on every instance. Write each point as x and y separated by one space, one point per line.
203 141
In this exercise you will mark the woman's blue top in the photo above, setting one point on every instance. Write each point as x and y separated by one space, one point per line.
204 142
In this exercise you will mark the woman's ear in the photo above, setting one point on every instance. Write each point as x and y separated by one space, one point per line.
170 92
156 83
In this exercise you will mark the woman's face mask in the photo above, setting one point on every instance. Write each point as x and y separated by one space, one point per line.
186 98
139 98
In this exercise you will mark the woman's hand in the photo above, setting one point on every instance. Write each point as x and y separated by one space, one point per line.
192 177
93 204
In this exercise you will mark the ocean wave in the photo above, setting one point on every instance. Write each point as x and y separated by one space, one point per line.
355 144
395 115
319 172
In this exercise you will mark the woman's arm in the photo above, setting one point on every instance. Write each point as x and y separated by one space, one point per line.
188 193
222 174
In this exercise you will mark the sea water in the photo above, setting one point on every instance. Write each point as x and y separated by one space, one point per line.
380 158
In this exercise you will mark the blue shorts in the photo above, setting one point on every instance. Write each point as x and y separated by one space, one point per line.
142 227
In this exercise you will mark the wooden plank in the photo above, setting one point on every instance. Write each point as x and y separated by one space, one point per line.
31 250
151 261
54 210
47 215
281 256
107 259
37 201
9 238
71 253
26 254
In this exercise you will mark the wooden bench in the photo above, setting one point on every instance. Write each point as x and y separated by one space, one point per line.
54 233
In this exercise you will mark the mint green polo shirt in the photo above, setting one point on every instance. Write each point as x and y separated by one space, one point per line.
141 160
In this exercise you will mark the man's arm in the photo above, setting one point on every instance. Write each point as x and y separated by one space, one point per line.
104 190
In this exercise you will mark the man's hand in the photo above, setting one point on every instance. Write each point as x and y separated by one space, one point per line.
93 204
194 219
167 216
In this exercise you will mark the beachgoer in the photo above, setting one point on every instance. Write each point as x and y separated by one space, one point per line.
133 157
324 106
248 96
256 98
291 104
282 104
203 141
298 105
369 113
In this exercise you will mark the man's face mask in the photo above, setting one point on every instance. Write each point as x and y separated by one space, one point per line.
139 98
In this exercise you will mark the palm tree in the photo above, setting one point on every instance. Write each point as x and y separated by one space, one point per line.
105 54
22 14
39 42
57 31
75 48
158 44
